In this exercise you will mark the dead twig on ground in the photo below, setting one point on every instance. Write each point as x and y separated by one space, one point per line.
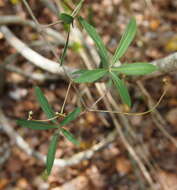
32 56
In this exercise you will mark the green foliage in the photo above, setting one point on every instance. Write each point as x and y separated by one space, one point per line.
51 152
90 75
71 116
135 69
67 19
98 41
122 89
128 69
36 125
69 136
46 107
125 41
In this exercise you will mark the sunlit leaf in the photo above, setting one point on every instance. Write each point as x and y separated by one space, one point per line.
70 136
46 107
51 152
71 116
125 41
135 68
36 125
122 89
98 41
91 75
67 19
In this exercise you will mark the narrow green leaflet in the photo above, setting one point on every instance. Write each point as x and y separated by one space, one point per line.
51 152
135 68
67 19
65 48
71 116
70 136
36 125
91 75
44 104
125 41
81 71
122 89
96 38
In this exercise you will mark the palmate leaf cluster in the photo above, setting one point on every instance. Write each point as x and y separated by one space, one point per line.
108 62
38 125
107 68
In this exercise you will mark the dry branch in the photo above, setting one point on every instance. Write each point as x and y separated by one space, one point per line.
17 20
33 56
167 64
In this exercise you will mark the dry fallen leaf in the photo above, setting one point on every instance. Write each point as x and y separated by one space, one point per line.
78 183
3 183
154 24
171 44
167 180
171 117
123 165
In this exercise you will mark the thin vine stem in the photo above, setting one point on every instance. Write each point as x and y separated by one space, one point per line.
137 113
69 86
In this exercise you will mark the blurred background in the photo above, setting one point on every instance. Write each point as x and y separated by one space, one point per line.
117 152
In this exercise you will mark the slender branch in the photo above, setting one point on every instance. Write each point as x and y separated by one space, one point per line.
167 64
33 56
63 106
33 76
51 6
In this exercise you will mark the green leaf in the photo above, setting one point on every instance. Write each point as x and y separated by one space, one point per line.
44 104
67 19
91 75
135 68
36 125
71 116
96 38
125 41
70 136
122 89
65 48
51 152
78 72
